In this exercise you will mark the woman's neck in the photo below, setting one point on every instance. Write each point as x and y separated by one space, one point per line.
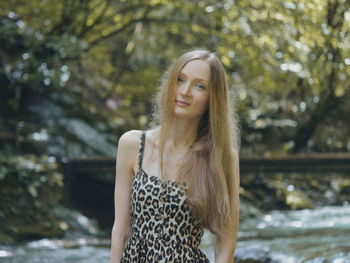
182 134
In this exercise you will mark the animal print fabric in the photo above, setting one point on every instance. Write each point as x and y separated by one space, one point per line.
162 227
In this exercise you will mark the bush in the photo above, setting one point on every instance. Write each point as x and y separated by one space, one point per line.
31 187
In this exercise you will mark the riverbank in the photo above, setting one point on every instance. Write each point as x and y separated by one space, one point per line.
307 236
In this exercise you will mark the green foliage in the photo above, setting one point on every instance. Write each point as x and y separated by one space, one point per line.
30 187
287 61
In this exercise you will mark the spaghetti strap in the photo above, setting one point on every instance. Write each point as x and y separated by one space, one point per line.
142 148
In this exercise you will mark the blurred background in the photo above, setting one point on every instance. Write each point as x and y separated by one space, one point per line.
76 74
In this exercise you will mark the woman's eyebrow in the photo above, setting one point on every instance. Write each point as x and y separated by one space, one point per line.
200 79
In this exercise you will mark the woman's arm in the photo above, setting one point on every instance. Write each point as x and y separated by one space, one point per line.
226 243
225 247
126 159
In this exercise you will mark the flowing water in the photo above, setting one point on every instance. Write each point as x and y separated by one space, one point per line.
314 236
321 235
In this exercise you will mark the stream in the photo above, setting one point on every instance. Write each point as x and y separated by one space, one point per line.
321 235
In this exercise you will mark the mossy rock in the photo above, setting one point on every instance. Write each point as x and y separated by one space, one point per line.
297 200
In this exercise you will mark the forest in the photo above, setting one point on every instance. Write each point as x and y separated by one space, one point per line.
76 75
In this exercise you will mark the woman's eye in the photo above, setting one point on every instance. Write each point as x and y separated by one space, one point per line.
200 86
179 79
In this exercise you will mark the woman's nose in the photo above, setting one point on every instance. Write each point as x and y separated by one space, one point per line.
185 89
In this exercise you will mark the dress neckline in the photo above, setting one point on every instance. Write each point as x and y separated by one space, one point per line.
156 178
162 180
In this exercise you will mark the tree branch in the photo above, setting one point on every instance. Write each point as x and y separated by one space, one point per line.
121 29
99 18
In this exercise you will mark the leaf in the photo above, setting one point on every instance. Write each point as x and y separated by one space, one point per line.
32 190
3 172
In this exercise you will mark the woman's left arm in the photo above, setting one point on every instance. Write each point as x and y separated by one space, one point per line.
226 243
225 247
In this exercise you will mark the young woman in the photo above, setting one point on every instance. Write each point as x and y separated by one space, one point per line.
183 176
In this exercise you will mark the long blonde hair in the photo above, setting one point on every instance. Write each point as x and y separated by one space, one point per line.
211 165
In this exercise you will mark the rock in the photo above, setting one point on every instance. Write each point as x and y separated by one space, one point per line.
74 221
248 210
253 254
341 187
297 200
90 136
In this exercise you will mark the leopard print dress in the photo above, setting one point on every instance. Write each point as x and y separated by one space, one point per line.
162 226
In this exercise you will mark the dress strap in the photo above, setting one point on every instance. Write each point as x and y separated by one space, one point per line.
142 148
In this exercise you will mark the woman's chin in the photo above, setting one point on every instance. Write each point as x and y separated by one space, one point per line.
185 116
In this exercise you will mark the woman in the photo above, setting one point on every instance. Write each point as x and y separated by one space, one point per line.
183 176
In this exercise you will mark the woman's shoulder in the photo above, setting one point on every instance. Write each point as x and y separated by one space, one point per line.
130 138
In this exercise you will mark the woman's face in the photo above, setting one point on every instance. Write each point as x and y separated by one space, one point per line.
192 91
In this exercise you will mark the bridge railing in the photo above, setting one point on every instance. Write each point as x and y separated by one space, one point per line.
320 163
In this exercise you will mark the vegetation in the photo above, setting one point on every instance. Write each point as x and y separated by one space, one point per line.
30 188
75 75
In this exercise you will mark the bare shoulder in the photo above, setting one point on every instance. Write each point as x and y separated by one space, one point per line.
128 146
130 139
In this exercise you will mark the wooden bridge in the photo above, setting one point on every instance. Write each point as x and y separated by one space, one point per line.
90 181
317 163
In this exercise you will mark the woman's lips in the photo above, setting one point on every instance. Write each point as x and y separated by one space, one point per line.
181 103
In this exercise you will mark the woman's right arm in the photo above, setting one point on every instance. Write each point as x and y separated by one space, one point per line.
126 159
